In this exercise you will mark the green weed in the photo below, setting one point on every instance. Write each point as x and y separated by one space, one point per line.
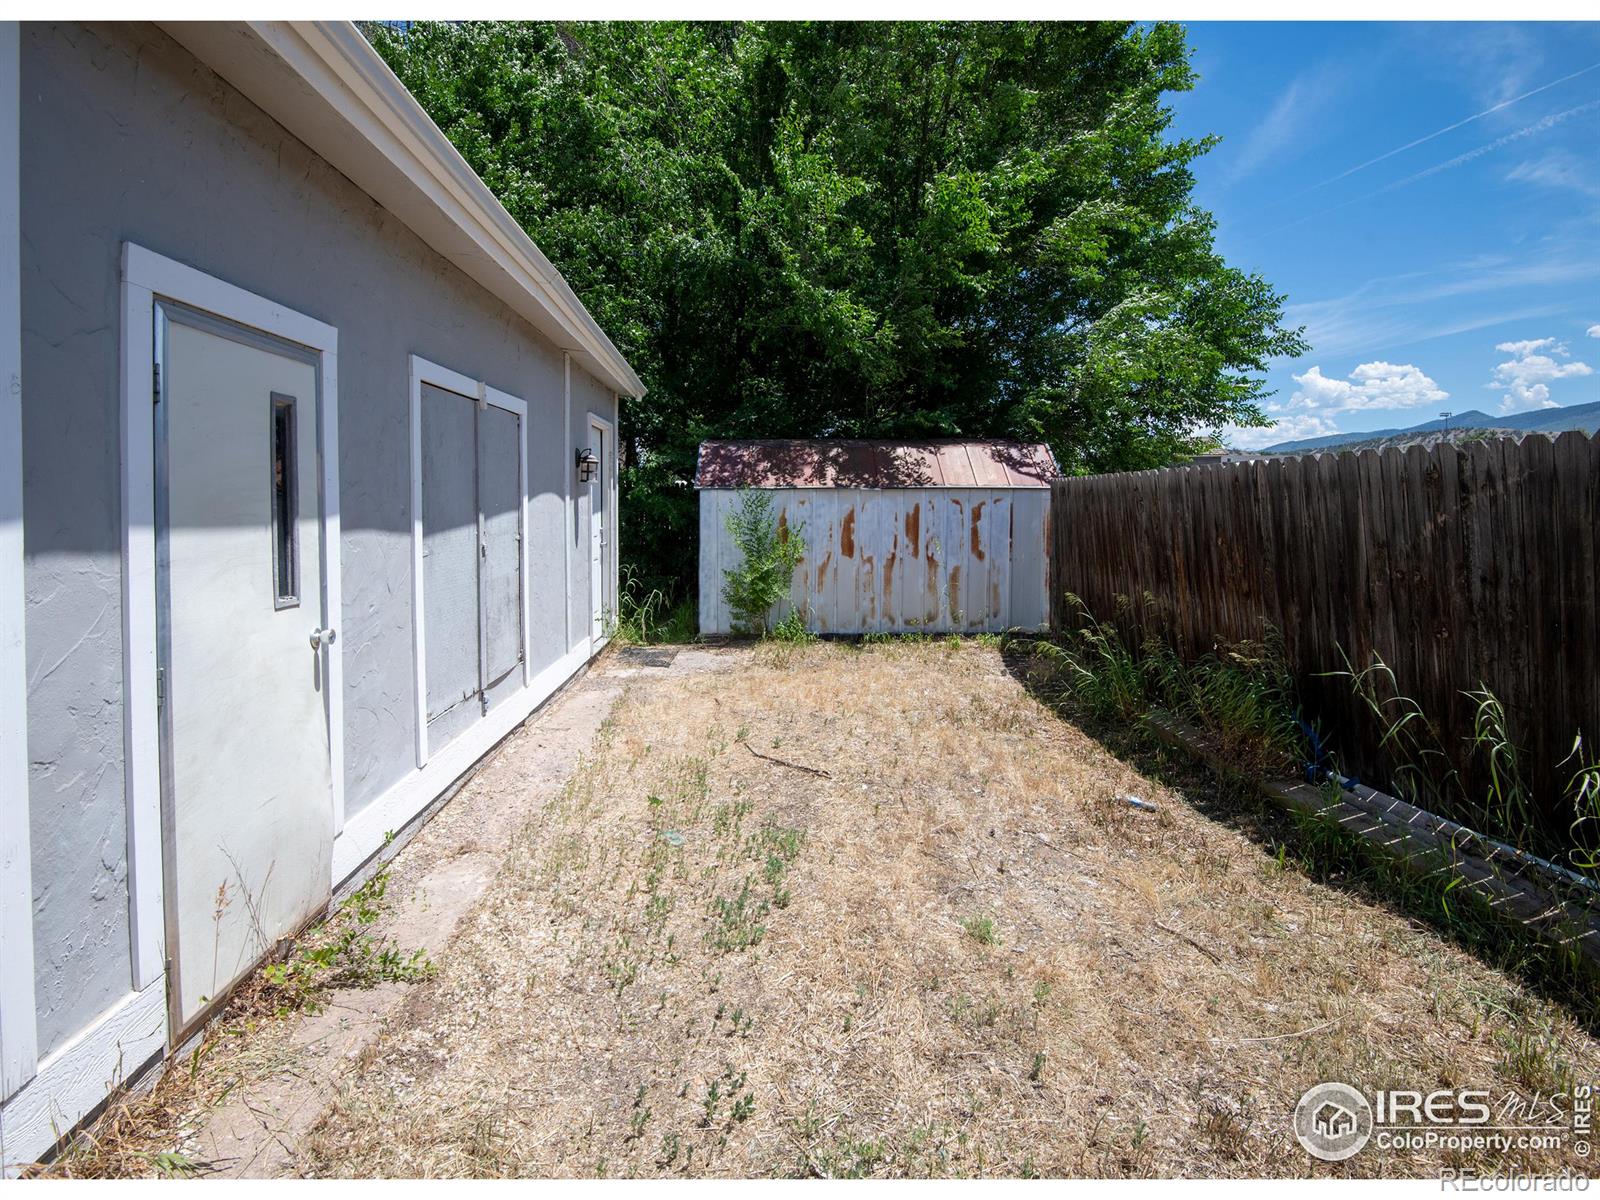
1245 698
769 552
650 617
739 925
170 1164
1423 772
792 631
342 952
981 930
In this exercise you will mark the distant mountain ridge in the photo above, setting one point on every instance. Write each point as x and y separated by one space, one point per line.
1583 417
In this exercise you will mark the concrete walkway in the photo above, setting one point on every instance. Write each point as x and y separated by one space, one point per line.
435 879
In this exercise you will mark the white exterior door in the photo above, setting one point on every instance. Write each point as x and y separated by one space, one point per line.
247 798
599 514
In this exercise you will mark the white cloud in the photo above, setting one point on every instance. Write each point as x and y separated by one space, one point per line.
1276 130
1524 348
1285 429
1294 120
1525 377
1476 293
1371 385
1594 331
1310 411
1496 61
1561 170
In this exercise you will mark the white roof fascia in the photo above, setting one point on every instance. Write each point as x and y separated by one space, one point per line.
324 83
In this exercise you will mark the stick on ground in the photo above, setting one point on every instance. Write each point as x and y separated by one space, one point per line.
793 766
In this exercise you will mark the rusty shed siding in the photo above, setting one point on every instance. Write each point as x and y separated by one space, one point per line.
899 560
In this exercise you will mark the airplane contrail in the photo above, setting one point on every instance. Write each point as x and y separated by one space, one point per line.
1448 128
1538 126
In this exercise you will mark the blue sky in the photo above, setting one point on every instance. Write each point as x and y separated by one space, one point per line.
1459 273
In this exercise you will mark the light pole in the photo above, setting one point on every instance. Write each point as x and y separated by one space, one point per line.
1446 417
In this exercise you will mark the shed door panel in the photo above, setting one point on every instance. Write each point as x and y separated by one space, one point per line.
951 522
500 493
449 547
986 551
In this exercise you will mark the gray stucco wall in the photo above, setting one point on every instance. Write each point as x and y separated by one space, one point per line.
125 136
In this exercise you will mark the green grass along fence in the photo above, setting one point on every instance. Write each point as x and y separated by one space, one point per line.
1460 565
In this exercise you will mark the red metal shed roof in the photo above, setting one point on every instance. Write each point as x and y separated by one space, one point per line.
795 463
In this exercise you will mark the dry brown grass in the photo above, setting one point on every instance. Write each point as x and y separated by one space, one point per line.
146 1134
960 953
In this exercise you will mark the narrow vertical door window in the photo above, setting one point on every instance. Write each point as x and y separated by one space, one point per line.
285 504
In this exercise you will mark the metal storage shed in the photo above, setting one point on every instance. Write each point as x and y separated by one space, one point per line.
900 536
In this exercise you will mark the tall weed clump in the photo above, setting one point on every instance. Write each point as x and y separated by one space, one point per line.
649 616
770 555
1242 693
1244 696
1499 802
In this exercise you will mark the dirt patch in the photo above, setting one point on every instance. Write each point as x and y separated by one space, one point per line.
921 931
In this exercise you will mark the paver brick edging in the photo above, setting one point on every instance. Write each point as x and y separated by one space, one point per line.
1553 908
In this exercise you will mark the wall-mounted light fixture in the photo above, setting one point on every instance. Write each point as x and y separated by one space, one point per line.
588 465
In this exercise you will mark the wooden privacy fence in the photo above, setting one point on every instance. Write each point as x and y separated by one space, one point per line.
1460 565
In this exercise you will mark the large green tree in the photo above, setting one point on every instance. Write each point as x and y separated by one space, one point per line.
864 230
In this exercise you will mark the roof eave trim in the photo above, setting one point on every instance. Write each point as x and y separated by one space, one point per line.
467 199
339 65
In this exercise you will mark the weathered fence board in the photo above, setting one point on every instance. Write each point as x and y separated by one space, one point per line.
1460 566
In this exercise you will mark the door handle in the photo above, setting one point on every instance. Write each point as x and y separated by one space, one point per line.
322 637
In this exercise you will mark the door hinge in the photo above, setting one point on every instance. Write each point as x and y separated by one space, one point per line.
155 384
161 686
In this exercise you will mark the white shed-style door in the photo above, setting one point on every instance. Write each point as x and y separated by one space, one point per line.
598 490
246 779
